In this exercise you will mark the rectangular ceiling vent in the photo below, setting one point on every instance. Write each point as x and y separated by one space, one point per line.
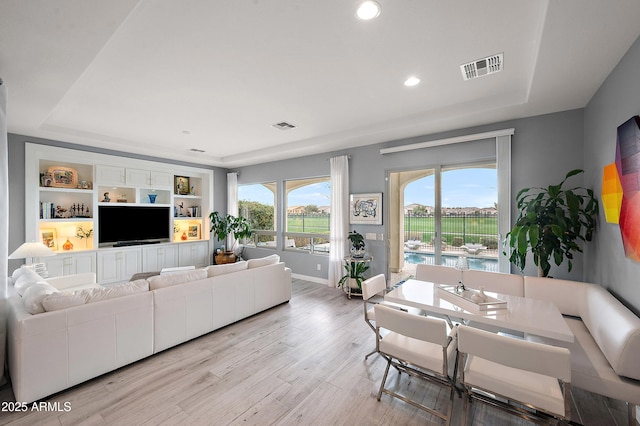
283 126
482 67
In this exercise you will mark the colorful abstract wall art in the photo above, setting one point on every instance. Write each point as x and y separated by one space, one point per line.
611 193
627 166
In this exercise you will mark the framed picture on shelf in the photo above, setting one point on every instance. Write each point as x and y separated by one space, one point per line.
63 177
365 208
193 231
49 238
181 185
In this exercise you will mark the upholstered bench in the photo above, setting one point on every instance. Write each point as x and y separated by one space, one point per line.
605 356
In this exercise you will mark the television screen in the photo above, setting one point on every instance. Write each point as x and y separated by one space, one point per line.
123 225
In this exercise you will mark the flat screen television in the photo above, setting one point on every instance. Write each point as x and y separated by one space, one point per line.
132 225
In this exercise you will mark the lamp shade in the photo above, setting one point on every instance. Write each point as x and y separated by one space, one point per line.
32 249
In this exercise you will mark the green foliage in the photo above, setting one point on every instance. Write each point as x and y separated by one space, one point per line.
551 222
356 271
311 208
260 216
357 240
222 226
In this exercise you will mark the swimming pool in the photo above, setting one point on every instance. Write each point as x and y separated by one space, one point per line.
482 264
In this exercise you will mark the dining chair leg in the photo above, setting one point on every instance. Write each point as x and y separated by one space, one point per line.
384 379
370 353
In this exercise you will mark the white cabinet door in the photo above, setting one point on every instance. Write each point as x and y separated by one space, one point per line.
110 175
155 257
139 177
196 254
118 265
162 180
70 264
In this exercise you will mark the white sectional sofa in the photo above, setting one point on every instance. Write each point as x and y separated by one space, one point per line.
605 356
64 331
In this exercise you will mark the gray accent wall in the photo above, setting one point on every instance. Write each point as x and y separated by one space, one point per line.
543 150
617 100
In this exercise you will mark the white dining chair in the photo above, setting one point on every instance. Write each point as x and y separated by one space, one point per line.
438 274
419 346
373 290
528 379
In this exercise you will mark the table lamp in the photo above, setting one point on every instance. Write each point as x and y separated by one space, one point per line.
33 250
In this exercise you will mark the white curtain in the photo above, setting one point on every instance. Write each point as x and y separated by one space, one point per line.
232 202
4 224
339 226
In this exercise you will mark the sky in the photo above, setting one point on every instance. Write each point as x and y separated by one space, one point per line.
460 188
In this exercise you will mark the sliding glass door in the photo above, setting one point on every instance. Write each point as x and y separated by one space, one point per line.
441 213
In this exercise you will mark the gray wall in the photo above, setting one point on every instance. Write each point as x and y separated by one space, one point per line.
617 100
543 150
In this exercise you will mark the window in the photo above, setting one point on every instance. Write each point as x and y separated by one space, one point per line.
307 216
256 203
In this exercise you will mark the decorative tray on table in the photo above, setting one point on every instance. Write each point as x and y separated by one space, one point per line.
470 299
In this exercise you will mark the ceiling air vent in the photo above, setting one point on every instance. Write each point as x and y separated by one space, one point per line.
283 126
481 67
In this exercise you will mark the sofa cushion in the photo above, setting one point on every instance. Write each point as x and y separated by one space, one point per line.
615 329
215 270
567 295
64 300
34 295
24 277
160 281
263 261
119 290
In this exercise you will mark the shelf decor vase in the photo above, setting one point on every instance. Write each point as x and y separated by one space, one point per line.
152 198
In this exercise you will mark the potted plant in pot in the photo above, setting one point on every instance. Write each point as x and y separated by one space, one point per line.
222 226
355 270
357 244
550 223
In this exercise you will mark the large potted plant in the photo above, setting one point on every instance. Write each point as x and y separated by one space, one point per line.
223 226
551 222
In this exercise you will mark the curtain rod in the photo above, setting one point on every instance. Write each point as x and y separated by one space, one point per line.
449 141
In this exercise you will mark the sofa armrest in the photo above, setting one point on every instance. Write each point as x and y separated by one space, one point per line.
69 282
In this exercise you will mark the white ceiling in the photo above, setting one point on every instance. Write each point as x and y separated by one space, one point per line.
160 77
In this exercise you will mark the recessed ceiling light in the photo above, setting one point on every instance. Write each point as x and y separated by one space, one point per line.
186 132
368 10
196 150
412 81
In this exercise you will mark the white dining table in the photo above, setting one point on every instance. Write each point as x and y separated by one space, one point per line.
537 317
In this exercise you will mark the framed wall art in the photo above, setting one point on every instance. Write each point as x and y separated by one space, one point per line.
49 238
365 208
63 177
181 185
193 232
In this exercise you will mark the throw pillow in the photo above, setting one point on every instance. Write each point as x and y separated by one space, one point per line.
64 300
160 281
263 261
34 295
216 270
25 279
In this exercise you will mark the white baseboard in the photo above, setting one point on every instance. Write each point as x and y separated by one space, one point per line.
324 281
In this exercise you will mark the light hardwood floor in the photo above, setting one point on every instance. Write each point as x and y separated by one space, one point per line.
299 363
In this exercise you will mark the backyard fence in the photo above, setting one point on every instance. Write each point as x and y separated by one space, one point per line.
457 229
